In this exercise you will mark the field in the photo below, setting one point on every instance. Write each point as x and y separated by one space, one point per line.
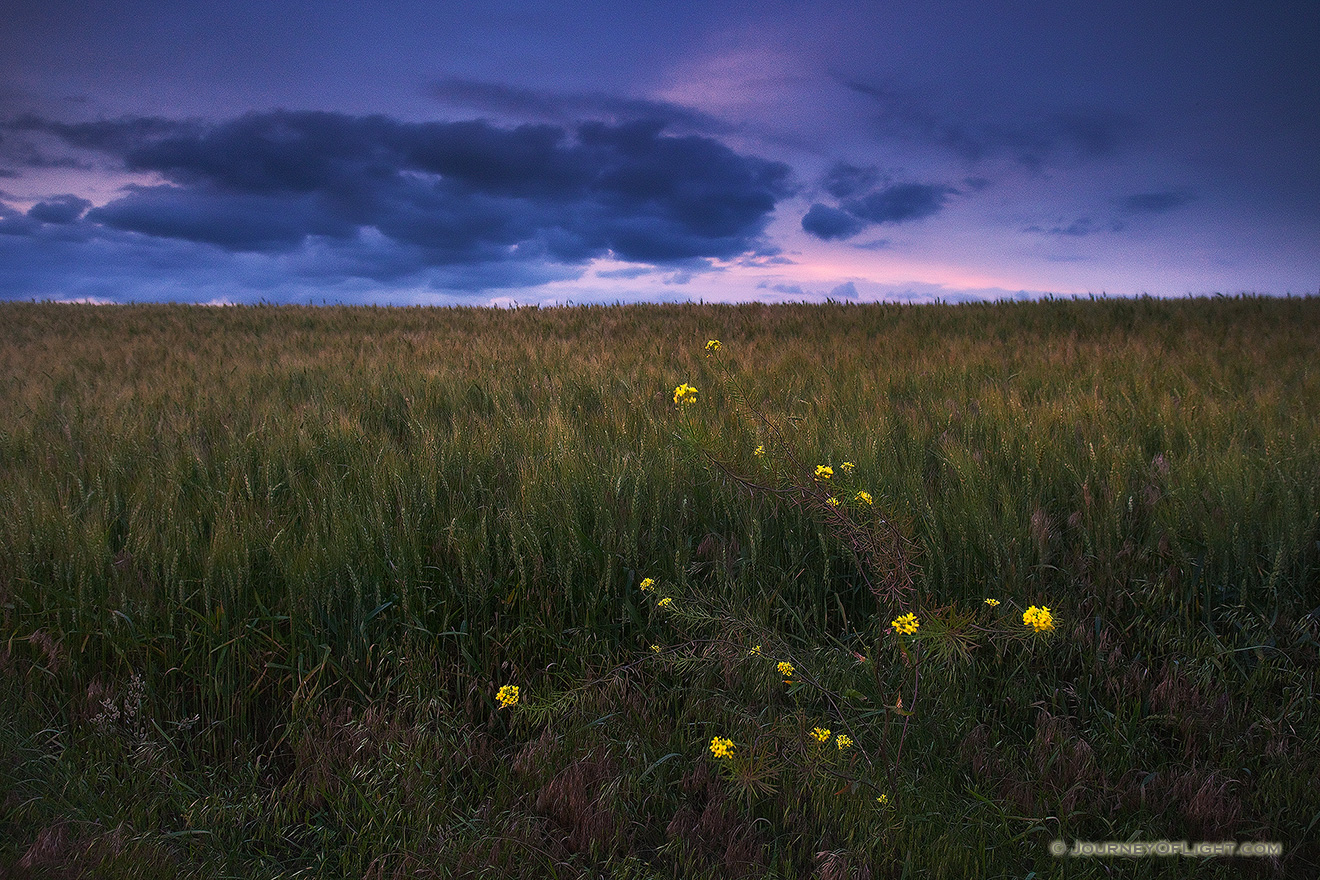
265 571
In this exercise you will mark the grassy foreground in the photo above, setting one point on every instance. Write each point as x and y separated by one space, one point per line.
264 572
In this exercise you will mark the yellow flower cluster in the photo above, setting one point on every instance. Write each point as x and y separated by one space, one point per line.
820 733
883 800
664 603
907 624
721 747
713 345
992 602
655 648
685 393
843 741
1040 618
832 501
785 668
847 467
755 652
647 584
824 472
759 451
864 497
508 696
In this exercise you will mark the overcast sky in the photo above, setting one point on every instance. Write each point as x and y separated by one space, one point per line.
547 152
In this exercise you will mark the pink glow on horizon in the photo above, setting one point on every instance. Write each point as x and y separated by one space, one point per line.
889 270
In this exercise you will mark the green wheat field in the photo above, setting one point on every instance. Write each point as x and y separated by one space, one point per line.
376 593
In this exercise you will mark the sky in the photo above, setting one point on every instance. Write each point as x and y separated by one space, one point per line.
426 152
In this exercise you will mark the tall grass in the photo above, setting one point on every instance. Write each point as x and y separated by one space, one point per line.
263 570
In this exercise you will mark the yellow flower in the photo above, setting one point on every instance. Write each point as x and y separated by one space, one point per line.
820 733
906 624
785 668
864 497
992 602
713 345
883 800
646 584
759 451
655 648
685 393
832 501
824 472
507 695
664 603
1040 618
721 747
847 467
755 652
843 741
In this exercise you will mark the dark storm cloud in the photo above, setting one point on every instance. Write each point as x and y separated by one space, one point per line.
61 209
114 136
34 159
829 223
22 152
15 223
1029 138
844 180
380 197
536 104
900 203
234 221
1156 202
7 211
1128 209
84 260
